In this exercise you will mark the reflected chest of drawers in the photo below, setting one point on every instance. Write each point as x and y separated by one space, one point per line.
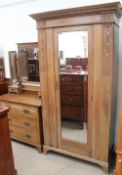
73 97
25 119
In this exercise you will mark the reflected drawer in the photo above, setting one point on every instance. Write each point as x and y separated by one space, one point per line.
21 110
71 79
72 112
24 122
24 135
70 89
71 100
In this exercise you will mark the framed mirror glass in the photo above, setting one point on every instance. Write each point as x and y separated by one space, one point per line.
24 63
28 63
73 76
13 66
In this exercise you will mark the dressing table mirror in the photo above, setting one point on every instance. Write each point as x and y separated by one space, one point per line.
28 62
24 67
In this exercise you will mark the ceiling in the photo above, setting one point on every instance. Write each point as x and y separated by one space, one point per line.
5 3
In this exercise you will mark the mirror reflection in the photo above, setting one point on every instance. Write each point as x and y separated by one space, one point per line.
24 63
73 70
13 66
28 64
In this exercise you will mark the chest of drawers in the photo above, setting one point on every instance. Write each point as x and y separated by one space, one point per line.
72 97
25 120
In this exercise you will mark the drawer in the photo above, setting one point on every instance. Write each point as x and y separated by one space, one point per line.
71 112
71 79
21 110
23 134
72 89
71 100
25 122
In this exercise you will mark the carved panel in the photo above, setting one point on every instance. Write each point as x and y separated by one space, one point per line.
42 50
107 17
107 49
40 24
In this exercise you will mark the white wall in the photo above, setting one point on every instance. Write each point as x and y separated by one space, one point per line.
16 26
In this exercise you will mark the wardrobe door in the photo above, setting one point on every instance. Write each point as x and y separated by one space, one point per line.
74 92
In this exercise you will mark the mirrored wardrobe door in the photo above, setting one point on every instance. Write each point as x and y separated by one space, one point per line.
73 73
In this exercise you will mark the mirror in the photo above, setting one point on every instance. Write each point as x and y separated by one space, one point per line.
13 66
24 63
73 73
28 63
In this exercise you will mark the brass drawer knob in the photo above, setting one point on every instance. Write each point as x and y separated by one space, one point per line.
25 111
26 123
28 136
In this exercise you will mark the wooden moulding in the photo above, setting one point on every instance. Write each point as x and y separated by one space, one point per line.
94 9
23 98
27 45
104 13
103 164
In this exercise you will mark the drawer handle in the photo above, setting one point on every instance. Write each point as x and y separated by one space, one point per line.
28 136
26 124
25 111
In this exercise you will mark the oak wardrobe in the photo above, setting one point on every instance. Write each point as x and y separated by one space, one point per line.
78 52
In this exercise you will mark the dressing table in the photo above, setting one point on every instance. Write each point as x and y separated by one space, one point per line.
23 99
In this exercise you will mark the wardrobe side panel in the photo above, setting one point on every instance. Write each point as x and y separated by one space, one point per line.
97 30
44 85
102 89
52 86
114 83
